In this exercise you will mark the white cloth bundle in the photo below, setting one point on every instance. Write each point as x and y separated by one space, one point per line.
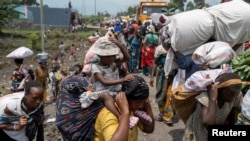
199 80
190 29
159 18
213 54
179 79
232 21
187 31
20 53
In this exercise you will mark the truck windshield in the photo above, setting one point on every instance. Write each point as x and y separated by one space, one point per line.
148 10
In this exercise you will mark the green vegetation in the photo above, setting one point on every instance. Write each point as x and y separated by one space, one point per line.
241 66
7 12
32 38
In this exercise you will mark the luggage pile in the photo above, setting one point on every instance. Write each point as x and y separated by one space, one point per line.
227 22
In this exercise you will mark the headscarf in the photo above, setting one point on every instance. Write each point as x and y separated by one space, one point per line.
75 85
229 83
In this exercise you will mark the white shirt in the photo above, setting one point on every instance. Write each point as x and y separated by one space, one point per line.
13 102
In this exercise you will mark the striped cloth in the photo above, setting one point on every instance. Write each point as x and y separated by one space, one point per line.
213 54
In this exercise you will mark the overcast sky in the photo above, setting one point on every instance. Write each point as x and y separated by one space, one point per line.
87 7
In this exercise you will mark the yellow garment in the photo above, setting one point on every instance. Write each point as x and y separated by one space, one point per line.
106 125
41 76
184 103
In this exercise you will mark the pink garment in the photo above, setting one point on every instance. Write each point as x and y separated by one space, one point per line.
90 58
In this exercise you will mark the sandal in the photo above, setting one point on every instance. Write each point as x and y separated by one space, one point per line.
169 123
158 118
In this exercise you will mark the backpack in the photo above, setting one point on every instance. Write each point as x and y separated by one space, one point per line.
136 89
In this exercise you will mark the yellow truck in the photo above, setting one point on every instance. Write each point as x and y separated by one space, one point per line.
146 8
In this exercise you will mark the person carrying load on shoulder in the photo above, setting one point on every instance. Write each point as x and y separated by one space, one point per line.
18 75
208 103
162 86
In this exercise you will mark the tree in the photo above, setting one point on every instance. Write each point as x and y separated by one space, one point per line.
29 2
7 11
171 8
190 6
179 3
130 11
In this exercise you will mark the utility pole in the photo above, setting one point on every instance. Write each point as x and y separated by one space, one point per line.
95 7
42 24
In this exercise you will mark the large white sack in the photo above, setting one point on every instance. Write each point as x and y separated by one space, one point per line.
232 21
187 30
20 53
190 29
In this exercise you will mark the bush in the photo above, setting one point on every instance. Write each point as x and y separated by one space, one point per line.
33 37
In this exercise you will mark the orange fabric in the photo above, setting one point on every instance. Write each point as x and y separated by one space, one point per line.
135 26
168 104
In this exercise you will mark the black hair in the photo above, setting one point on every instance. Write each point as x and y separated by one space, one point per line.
227 76
31 73
18 61
30 84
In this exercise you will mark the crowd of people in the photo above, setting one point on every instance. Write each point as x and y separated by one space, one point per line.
104 98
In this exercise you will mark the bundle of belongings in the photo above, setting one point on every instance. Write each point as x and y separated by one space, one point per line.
183 97
213 54
244 115
228 22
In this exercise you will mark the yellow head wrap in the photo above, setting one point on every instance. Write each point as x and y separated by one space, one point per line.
229 83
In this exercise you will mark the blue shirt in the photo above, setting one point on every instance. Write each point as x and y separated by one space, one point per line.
185 62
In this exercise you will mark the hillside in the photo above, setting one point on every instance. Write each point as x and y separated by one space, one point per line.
12 39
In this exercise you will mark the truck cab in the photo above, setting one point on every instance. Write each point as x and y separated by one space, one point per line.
146 8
